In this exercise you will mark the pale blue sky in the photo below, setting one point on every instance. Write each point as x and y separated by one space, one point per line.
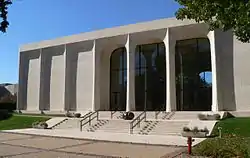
36 20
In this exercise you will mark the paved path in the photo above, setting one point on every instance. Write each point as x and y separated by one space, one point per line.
30 146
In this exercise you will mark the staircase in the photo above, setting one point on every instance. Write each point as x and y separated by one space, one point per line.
164 123
69 123
184 115
163 127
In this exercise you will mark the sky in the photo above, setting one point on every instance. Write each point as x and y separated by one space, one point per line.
37 20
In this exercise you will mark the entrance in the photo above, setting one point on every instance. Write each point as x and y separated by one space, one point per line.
193 75
150 77
118 79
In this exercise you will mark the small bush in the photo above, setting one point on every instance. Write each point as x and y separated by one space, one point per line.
40 125
204 130
77 115
202 117
222 148
69 114
186 129
195 129
209 116
4 114
217 116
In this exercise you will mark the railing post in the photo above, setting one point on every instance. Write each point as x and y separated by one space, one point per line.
131 129
81 126
89 120
97 117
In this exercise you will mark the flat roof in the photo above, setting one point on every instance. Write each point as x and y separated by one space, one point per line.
109 32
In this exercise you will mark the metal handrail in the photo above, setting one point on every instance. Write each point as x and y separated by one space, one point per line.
138 120
158 112
90 118
112 113
85 116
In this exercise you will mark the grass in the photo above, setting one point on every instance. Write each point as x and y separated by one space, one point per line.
20 122
233 126
235 140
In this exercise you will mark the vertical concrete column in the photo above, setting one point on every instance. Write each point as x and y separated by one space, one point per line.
214 48
96 105
42 106
22 84
66 106
169 42
130 50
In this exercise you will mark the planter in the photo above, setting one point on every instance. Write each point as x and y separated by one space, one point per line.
194 134
128 116
209 116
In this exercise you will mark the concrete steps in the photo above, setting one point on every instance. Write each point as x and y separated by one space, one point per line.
69 123
163 127
115 126
185 115
55 121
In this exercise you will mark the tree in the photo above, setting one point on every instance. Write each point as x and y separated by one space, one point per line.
3 14
219 14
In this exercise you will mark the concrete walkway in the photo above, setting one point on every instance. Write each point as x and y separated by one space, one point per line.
171 140
30 146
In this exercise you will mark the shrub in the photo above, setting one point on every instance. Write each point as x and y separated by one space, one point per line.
40 125
195 129
69 114
77 115
222 148
186 129
209 116
217 116
204 130
202 117
4 114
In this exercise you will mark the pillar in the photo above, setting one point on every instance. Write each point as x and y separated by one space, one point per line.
169 42
214 48
130 50
96 77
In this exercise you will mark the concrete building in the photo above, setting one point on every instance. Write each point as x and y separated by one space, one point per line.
158 65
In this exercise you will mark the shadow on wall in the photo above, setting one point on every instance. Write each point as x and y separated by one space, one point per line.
25 61
73 68
226 71
45 83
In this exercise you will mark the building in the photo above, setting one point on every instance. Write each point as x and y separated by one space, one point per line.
164 65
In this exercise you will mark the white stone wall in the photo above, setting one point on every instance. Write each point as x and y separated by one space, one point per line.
72 73
242 75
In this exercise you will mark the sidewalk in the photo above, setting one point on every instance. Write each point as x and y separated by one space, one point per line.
110 137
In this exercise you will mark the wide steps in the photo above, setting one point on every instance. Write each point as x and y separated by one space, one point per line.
116 126
185 115
69 123
163 127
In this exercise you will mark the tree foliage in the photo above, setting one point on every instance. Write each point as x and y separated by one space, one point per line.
222 14
3 14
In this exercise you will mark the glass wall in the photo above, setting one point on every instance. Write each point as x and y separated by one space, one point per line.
118 79
193 75
150 77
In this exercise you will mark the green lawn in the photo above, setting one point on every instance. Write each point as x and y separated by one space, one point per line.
234 126
19 122
235 140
